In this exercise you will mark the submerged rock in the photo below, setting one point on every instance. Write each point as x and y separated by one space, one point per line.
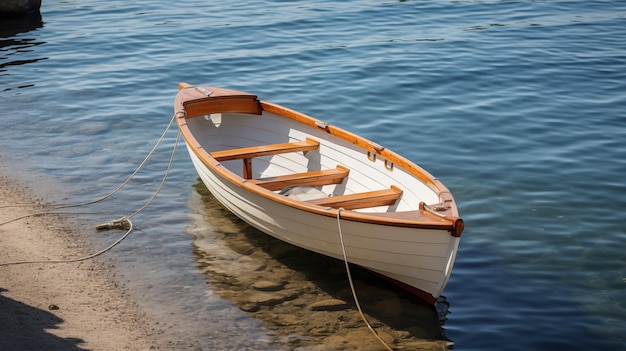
284 320
352 339
265 285
19 7
267 298
329 305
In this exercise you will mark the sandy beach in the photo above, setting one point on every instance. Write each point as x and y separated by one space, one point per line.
61 306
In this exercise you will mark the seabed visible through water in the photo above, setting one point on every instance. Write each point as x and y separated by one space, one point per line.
304 297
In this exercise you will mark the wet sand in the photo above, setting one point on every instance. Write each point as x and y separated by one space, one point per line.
61 306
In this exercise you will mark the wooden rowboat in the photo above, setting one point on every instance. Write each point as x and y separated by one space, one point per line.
291 176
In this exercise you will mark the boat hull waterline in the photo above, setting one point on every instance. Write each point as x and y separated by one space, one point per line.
291 175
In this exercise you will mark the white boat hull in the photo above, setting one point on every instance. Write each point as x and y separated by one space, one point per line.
421 258
411 245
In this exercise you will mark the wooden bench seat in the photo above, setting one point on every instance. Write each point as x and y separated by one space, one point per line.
265 150
367 199
313 178
248 153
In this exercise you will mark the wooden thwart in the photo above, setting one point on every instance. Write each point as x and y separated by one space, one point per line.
248 153
367 199
313 178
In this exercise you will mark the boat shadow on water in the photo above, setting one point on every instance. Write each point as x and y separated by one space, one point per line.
304 297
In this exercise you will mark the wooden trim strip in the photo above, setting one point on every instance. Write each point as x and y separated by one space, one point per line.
313 178
361 200
375 149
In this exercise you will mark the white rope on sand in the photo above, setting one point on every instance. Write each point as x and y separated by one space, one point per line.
145 160
123 223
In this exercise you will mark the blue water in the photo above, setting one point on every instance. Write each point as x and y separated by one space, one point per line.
519 107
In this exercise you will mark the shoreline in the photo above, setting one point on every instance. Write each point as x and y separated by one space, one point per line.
61 306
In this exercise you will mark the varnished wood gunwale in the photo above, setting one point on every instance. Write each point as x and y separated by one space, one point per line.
444 220
374 149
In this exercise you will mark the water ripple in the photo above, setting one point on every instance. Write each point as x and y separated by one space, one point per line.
518 107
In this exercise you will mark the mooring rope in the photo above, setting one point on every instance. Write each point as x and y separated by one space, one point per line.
122 185
354 296
71 260
123 223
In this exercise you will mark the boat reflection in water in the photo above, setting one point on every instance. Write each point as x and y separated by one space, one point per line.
303 296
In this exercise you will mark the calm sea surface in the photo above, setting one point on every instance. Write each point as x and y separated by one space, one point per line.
519 107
